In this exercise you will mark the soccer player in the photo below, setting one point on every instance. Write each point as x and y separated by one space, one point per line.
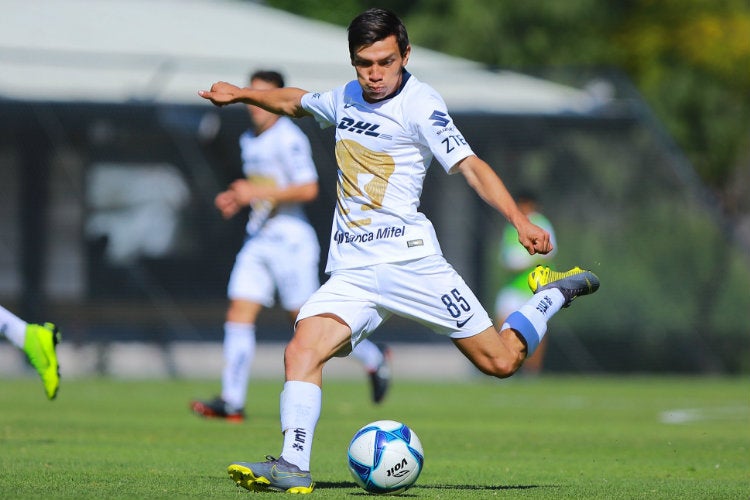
38 342
384 257
281 250
517 263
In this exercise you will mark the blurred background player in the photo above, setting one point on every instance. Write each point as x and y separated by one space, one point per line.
38 343
517 263
281 251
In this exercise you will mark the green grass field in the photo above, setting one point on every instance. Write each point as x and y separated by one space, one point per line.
551 437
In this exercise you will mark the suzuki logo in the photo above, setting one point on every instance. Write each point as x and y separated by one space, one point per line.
439 118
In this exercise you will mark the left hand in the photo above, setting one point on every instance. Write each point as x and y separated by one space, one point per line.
534 238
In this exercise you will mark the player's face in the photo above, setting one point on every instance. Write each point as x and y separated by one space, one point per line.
262 119
379 68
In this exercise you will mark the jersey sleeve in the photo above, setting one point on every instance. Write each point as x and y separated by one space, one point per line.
437 130
322 105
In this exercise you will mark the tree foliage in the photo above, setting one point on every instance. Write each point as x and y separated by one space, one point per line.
688 58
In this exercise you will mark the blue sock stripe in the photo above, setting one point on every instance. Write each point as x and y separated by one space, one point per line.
522 325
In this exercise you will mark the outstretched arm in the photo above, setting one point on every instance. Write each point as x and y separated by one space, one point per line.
491 189
242 193
246 192
283 101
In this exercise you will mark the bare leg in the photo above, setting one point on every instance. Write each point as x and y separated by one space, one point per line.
496 354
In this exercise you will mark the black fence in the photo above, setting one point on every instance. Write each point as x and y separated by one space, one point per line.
109 228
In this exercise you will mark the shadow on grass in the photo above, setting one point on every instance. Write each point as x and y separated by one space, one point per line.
469 487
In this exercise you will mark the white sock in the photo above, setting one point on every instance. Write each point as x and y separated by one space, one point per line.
531 318
13 327
239 351
300 411
369 354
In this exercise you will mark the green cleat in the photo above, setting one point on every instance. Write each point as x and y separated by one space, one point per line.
39 347
571 284
271 475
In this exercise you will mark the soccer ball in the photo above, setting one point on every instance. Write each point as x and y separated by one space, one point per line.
385 457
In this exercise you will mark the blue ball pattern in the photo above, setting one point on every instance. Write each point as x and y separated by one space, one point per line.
381 441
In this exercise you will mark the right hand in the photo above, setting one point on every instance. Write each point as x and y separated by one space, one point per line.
221 93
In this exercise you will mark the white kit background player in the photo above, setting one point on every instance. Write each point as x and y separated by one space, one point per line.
280 253
384 258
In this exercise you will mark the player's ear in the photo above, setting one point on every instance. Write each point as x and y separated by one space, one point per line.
405 56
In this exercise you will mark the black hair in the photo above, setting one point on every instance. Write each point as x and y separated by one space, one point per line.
526 195
374 25
268 76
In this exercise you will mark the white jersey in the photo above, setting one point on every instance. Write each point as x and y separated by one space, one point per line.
383 151
281 157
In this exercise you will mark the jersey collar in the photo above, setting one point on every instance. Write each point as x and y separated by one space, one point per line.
404 78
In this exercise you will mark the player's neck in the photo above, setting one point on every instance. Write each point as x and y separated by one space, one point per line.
259 128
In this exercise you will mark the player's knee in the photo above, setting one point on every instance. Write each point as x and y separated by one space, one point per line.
298 362
295 353
500 367
301 358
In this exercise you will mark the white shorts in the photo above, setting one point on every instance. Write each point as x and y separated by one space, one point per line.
427 290
286 261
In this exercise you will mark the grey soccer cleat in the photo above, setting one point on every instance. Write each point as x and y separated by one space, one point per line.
271 475
571 284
